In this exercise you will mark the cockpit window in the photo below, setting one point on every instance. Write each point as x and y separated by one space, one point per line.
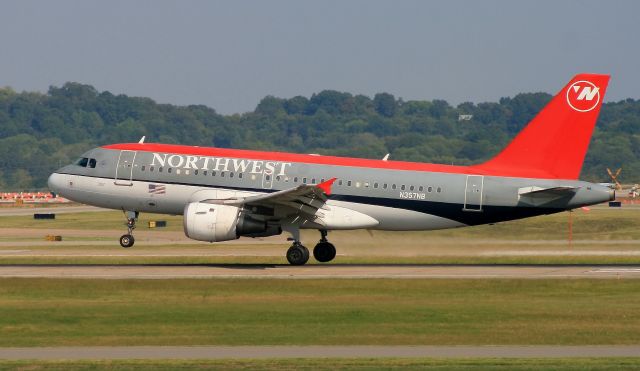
85 161
82 162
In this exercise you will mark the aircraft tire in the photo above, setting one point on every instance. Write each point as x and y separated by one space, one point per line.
324 252
297 255
127 240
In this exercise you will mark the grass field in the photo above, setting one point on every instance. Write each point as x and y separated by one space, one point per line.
49 312
600 236
59 312
579 364
600 223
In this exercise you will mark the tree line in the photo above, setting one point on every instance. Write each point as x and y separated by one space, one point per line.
41 132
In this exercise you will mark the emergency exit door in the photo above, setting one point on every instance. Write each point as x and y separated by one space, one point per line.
473 193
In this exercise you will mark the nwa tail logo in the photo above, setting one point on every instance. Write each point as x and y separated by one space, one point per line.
583 96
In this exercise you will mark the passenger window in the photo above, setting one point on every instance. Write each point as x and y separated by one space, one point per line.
313 181
348 183
322 180
240 175
304 180
402 187
231 175
340 182
295 179
195 172
151 168
213 173
366 184
92 163
357 184
160 169
430 189
222 174
411 188
393 186
169 170
384 186
142 168
421 189
375 185
439 190
204 172
186 172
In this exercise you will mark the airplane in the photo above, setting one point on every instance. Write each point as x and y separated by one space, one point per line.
224 194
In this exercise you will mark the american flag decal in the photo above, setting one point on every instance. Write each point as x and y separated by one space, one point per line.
157 189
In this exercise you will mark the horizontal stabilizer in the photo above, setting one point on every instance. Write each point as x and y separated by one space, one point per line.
550 192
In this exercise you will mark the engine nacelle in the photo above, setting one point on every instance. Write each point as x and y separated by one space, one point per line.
213 223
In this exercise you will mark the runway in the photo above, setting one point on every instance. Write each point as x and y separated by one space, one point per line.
313 271
357 351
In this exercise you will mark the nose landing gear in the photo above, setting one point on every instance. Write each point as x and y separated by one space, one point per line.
127 240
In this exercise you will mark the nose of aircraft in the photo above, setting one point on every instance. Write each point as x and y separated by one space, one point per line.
55 182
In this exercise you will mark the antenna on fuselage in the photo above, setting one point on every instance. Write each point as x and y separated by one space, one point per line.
386 157
142 139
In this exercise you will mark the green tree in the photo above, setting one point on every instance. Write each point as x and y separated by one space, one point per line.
385 104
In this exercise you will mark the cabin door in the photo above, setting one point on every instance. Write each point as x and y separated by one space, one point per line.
124 168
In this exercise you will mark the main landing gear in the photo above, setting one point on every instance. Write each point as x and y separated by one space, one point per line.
297 254
127 240
324 251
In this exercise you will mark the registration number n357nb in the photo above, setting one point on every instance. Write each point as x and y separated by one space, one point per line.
413 195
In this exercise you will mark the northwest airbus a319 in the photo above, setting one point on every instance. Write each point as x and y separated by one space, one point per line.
224 194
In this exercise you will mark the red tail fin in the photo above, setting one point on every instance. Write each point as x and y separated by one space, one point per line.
554 143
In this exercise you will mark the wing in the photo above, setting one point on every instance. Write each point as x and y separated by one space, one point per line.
303 201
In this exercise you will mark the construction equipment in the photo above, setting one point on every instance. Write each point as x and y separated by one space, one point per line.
614 178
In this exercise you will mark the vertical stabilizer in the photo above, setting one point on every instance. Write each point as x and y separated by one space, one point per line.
554 143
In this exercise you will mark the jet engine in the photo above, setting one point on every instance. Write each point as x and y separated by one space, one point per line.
213 223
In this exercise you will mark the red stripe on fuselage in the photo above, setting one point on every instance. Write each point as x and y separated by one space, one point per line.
314 159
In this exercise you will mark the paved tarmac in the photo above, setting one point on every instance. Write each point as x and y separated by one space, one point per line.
313 271
357 351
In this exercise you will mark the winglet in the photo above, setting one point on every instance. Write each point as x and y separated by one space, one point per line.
326 186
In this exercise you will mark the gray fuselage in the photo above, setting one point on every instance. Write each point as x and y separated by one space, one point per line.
163 182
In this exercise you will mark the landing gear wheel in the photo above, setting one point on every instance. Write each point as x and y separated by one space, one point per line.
297 255
324 252
127 240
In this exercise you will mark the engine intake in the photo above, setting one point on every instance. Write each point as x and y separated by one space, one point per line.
213 223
